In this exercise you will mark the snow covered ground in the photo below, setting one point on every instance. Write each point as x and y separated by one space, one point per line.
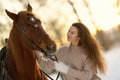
113 64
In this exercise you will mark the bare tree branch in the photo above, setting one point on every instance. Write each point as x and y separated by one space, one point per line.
74 10
90 13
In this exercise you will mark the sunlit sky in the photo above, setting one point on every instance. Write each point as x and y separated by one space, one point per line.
103 12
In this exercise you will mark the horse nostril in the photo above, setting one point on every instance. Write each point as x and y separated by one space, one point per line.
50 47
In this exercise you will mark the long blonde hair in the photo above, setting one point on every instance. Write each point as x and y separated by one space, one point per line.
90 44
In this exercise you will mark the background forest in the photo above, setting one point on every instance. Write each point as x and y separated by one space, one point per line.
102 17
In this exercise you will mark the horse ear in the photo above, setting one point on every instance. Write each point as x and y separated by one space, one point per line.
13 16
29 8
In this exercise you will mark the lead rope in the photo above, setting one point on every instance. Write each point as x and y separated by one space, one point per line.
56 61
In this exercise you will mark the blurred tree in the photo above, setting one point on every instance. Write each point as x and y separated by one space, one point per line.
42 2
57 30
119 27
54 27
2 27
91 16
100 35
74 10
117 5
105 42
57 15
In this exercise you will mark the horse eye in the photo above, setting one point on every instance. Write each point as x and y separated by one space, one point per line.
32 19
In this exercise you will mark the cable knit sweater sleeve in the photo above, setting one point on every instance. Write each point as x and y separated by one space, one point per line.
48 64
86 73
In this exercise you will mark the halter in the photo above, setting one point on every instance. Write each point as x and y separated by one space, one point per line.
30 42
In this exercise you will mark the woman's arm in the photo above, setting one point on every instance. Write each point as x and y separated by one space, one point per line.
96 77
45 64
86 73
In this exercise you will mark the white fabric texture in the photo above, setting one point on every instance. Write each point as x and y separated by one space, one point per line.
60 66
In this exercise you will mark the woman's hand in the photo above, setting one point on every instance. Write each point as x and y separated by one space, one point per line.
60 66
38 55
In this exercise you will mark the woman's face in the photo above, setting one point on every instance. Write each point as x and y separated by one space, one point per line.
72 35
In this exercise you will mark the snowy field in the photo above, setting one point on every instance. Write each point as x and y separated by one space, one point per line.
113 65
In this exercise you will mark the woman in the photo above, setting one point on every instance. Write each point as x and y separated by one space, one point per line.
81 59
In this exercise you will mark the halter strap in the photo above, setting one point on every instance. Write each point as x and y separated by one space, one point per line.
30 42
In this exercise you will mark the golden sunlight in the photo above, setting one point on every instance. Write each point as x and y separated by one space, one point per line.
61 13
104 13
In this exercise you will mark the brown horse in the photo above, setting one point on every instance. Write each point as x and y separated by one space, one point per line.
27 35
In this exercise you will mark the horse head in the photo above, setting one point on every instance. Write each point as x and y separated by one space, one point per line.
32 31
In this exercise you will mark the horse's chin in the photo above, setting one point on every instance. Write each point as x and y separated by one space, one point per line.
47 53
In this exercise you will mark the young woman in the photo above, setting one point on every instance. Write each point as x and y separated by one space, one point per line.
81 60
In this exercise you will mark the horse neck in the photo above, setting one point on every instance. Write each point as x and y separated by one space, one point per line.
22 58
18 46
18 42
